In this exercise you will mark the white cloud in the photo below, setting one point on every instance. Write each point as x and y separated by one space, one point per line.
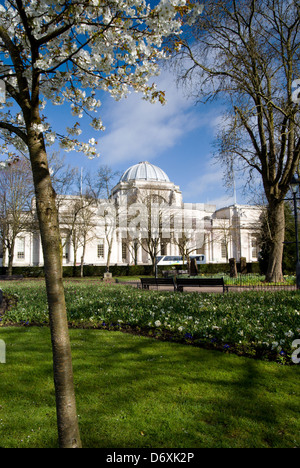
138 130
208 187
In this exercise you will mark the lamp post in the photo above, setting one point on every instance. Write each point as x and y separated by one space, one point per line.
294 184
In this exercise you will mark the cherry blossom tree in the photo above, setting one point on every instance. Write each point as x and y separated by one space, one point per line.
66 51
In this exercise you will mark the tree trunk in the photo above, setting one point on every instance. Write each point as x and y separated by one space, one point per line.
68 430
82 258
277 227
74 244
3 254
81 266
109 254
10 259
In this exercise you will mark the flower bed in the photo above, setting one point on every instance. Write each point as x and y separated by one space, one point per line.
259 324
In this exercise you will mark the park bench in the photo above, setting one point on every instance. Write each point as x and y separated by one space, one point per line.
200 282
11 278
146 282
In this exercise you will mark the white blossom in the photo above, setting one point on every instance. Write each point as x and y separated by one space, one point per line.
83 48
50 137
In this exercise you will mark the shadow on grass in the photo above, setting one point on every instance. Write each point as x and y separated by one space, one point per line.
138 392
155 394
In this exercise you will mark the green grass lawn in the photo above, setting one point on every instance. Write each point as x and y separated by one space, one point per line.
137 392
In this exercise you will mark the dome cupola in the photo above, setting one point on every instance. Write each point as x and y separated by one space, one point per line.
145 171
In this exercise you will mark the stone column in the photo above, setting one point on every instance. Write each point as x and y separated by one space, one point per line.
243 266
233 269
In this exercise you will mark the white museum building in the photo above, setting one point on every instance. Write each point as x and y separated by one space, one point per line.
145 215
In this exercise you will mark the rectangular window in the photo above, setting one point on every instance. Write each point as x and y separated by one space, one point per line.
124 251
163 249
66 246
224 249
20 248
254 247
100 248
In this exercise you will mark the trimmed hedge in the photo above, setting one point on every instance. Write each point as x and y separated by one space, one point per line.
88 270
124 270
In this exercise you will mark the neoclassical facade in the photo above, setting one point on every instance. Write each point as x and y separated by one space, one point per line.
145 215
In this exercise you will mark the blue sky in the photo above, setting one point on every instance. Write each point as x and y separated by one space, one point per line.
178 137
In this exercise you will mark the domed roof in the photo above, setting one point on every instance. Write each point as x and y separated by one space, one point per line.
145 171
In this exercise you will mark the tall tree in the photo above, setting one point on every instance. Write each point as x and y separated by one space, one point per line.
246 52
16 193
149 222
77 224
64 51
100 187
